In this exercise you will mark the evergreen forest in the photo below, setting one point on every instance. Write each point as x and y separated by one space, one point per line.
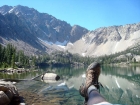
10 57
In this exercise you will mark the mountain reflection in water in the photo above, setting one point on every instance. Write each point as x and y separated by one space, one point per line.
121 86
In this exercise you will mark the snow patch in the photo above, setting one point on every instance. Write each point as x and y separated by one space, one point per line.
62 44
70 43
17 13
56 29
83 39
4 13
50 43
11 10
83 54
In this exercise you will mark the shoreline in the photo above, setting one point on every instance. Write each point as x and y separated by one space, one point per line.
17 70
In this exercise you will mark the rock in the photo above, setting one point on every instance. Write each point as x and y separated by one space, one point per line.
3 88
4 100
77 32
8 93
50 76
10 69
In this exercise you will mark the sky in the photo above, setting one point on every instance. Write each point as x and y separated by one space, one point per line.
90 14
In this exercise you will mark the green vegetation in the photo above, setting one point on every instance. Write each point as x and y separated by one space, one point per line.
9 57
63 59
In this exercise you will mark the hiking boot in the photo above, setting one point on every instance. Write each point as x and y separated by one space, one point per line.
92 75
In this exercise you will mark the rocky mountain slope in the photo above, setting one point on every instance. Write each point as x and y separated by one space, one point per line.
36 33
107 40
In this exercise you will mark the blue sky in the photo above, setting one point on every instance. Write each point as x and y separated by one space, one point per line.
90 14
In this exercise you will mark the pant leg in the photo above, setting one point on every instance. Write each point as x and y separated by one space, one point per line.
94 97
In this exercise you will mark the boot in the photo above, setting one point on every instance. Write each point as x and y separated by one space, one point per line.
92 75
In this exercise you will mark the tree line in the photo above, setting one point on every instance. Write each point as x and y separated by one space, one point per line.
11 57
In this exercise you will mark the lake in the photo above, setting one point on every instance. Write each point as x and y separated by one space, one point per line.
121 85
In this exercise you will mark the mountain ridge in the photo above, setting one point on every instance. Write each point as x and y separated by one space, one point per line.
107 40
42 32
42 26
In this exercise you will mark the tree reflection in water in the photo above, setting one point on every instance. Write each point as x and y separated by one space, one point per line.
121 85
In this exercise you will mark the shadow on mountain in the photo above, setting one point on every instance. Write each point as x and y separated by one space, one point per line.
14 28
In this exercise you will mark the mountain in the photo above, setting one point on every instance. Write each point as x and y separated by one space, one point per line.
36 33
107 40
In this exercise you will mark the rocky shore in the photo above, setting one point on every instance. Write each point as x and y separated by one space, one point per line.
31 94
12 70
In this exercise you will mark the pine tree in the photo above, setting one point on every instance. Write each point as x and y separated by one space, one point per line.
13 61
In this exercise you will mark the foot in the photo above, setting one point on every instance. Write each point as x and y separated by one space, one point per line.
92 75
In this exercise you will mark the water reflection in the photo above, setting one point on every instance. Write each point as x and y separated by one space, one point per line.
121 85
25 75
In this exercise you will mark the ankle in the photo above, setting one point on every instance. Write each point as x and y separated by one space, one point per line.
90 89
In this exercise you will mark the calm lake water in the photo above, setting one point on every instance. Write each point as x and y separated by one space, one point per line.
121 86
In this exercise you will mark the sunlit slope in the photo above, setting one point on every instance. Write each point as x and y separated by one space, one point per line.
107 40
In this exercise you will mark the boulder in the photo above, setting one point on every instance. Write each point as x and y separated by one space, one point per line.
4 100
8 93
50 76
